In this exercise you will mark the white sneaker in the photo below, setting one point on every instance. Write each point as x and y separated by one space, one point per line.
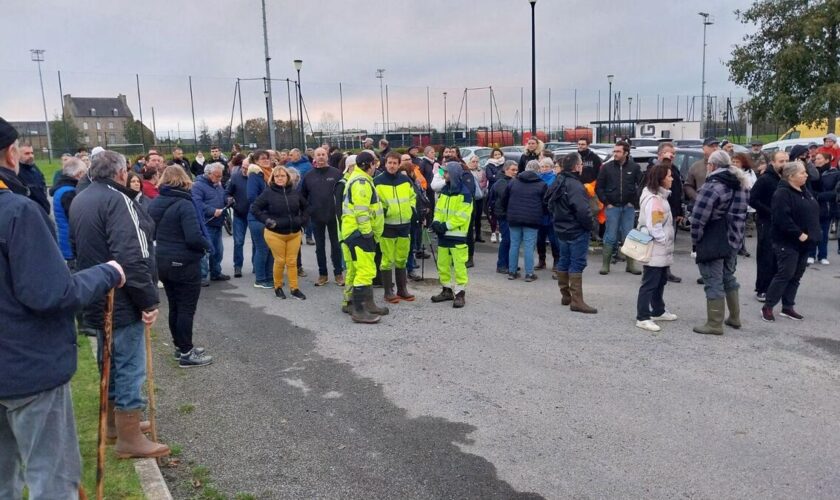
160 284
666 316
693 255
824 262
492 237
648 325
810 260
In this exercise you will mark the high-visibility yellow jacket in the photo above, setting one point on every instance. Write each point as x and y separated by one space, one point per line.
397 196
454 210
361 213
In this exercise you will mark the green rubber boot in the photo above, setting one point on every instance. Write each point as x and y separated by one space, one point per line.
715 311
607 256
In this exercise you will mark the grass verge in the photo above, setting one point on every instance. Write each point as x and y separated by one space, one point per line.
120 479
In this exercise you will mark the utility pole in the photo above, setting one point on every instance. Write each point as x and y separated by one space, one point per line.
380 73
706 22
269 106
609 108
533 70
444 117
38 57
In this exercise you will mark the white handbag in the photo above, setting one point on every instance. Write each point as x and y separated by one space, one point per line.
638 246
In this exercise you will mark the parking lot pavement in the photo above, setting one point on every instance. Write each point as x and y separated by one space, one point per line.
513 396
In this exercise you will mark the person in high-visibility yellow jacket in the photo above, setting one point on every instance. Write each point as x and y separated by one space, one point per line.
453 211
397 196
362 223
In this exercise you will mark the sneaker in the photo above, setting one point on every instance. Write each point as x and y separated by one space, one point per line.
279 293
760 296
178 353
789 313
322 280
298 294
339 279
492 237
160 284
513 276
469 264
259 284
666 316
824 262
530 277
193 359
693 255
221 277
810 260
205 283
413 276
310 241
501 270
301 272
648 325
237 272
767 314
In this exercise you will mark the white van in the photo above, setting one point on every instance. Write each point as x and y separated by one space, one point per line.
787 144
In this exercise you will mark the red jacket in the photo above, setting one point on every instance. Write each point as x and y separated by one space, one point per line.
834 152
150 191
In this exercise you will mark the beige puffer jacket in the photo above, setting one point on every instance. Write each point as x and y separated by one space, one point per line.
655 217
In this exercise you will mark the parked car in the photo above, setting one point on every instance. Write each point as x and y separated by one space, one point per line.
483 154
640 156
787 144
688 143
513 149
513 155
684 158
551 146
559 154
640 142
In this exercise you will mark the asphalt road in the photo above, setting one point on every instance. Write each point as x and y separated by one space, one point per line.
512 397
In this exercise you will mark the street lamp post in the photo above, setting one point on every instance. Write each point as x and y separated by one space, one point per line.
609 110
630 109
706 22
444 117
269 103
298 65
533 70
380 73
38 57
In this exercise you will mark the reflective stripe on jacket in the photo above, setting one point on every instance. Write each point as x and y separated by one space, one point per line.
397 196
361 213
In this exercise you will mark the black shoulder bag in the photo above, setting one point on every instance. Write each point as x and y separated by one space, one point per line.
714 244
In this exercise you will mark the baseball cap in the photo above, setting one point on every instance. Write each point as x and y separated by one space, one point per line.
830 137
756 142
364 159
8 134
710 141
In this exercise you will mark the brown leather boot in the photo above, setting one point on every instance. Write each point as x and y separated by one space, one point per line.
576 291
131 443
563 283
111 435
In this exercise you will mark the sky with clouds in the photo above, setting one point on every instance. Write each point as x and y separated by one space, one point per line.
653 47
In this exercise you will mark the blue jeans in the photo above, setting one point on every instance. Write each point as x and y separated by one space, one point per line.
504 245
518 236
719 276
821 251
309 230
573 254
240 226
263 260
128 366
39 446
620 221
212 264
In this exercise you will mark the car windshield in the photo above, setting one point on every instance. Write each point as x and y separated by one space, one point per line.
685 159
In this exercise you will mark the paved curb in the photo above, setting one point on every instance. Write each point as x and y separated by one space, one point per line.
151 480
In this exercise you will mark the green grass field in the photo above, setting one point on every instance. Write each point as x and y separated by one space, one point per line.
120 479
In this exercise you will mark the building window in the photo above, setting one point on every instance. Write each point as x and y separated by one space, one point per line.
115 112
84 126
92 111
112 138
110 125
98 139
87 138
98 126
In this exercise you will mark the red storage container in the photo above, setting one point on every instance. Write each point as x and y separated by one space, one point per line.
541 135
499 138
572 135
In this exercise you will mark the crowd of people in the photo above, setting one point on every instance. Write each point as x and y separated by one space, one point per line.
155 223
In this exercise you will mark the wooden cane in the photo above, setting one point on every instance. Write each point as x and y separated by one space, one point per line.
107 335
150 380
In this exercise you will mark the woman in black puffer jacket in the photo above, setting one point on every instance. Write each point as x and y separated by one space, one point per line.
180 242
795 225
283 211
525 206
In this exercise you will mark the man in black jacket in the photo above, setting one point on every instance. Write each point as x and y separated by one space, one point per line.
591 161
38 297
33 178
107 225
569 204
666 150
318 187
496 195
761 199
178 159
618 189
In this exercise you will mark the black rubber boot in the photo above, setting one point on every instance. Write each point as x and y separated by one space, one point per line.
360 313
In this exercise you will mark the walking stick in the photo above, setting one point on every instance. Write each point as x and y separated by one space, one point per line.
150 380
107 334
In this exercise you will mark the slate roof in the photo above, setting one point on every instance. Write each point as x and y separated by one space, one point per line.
80 107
